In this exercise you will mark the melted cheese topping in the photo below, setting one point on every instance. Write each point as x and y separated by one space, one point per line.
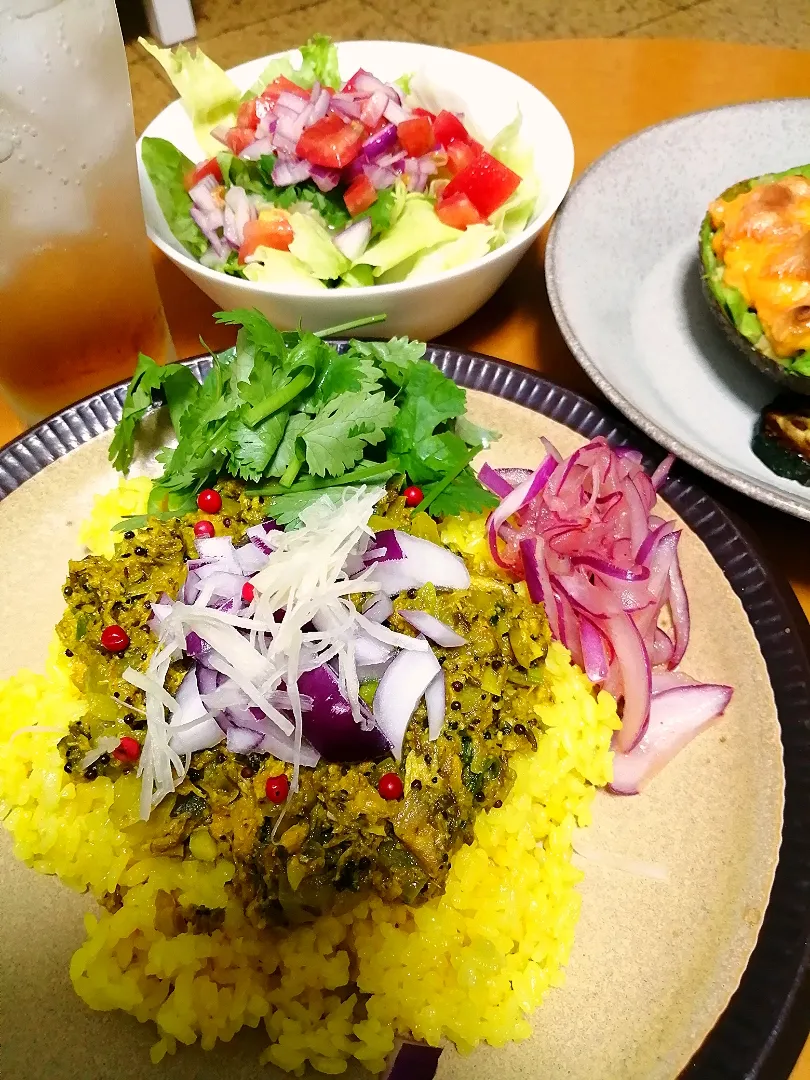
763 238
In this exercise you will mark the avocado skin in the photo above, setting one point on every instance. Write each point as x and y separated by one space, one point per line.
721 297
773 447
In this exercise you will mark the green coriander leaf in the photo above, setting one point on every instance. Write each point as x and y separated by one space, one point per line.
329 205
167 167
257 330
250 175
435 456
287 451
144 389
286 509
429 399
348 371
464 492
395 357
374 471
385 209
252 449
473 434
336 437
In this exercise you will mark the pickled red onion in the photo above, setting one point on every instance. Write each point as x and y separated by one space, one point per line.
582 533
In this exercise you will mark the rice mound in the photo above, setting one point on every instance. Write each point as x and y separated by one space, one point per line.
466 967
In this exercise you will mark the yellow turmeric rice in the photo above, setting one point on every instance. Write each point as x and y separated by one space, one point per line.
342 987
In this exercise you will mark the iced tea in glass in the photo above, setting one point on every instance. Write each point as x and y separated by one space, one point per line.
78 297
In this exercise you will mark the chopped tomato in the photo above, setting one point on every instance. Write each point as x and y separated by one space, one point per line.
246 116
274 231
331 142
416 135
447 127
425 112
199 172
360 194
238 138
457 211
282 85
486 182
459 156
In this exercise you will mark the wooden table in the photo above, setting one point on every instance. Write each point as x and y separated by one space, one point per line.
606 90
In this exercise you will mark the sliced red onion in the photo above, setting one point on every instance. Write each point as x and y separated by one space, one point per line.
386 547
493 480
677 715
353 240
633 662
538 581
330 725
421 562
662 472
514 501
401 689
665 680
594 657
378 609
432 628
381 143
242 740
290 171
679 606
198 735
662 649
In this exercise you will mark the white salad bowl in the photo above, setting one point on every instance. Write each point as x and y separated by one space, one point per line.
489 96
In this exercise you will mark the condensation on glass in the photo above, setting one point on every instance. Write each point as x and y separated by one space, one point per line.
78 298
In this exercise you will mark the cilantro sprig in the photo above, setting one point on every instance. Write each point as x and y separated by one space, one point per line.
292 416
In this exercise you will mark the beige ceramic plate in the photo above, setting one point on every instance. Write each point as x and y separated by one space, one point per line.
655 961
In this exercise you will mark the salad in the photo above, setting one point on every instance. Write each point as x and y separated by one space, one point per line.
320 183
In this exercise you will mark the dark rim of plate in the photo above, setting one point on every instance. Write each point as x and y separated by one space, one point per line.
761 1032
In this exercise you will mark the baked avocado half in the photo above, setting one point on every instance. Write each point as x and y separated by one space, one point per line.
782 437
755 271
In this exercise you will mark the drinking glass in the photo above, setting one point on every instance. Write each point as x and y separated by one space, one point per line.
78 297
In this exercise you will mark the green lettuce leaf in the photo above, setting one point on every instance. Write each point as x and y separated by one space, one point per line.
281 268
417 229
509 147
167 167
281 66
313 246
208 94
320 63
475 242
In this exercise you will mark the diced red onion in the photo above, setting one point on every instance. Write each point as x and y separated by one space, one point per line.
243 741
381 178
401 689
395 113
320 106
353 240
202 195
258 148
432 628
386 547
330 725
381 143
421 562
199 735
238 212
677 715
290 171
210 231
366 83
220 133
325 179
378 609
292 102
347 105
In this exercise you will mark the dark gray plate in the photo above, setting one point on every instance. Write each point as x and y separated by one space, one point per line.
761 1032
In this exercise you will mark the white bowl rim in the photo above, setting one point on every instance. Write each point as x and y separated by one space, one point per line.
529 234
